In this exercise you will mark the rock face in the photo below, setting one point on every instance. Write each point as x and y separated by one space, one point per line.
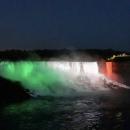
11 92
122 70
117 71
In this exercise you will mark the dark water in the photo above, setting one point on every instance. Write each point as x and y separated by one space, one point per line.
105 111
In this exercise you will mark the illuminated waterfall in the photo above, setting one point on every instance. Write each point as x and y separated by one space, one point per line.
52 77
76 68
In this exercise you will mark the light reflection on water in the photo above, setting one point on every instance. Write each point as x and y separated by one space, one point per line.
86 113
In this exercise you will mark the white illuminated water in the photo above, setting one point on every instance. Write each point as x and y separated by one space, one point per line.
75 68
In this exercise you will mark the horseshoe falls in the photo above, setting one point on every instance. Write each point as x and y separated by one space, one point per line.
55 78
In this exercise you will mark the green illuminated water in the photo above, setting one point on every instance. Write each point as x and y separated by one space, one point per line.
37 77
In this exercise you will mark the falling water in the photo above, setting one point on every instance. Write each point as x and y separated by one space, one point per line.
50 78
76 68
54 77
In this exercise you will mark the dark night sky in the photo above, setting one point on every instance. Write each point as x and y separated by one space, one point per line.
33 24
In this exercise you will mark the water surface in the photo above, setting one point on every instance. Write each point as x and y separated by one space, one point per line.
104 111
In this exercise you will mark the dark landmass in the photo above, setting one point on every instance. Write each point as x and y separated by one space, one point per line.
63 54
11 92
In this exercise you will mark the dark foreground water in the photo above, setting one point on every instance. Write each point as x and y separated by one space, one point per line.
104 111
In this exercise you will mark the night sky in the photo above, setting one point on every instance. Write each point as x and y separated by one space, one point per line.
40 24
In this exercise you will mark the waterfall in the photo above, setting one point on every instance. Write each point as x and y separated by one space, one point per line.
75 68
54 77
